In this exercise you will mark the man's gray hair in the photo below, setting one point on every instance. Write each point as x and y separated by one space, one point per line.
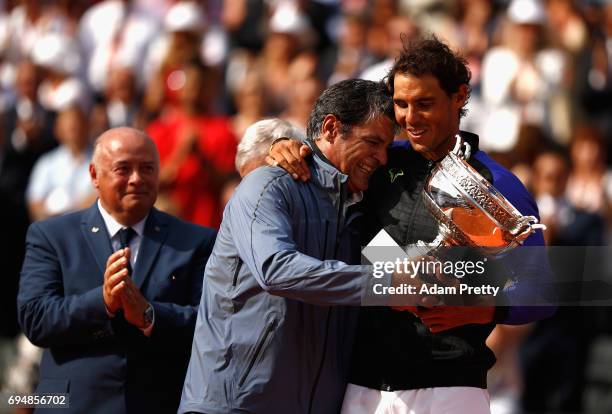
258 137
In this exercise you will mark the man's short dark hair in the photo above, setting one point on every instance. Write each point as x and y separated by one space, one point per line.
353 102
430 56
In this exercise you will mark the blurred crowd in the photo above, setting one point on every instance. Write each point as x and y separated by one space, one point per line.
196 74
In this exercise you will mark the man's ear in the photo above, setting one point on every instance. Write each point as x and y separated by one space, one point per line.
94 175
331 128
461 96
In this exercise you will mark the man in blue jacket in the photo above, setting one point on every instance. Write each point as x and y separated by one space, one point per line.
268 337
111 292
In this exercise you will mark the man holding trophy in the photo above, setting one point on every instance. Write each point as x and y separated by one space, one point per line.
434 360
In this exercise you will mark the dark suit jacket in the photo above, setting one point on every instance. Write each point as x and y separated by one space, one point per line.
109 366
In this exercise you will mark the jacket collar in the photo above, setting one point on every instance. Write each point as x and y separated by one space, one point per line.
324 174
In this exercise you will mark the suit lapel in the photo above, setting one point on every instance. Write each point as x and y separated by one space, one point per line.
155 232
96 235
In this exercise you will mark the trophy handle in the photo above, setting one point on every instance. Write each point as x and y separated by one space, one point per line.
530 225
463 153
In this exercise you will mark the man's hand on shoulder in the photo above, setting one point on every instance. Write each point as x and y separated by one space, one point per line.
289 155
114 279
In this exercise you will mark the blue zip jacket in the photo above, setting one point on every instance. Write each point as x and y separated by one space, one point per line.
269 338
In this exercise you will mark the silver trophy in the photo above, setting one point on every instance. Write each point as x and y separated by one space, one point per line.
469 210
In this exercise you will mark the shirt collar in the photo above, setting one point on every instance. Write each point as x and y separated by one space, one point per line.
113 226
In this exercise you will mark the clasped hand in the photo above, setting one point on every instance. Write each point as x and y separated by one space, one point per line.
120 292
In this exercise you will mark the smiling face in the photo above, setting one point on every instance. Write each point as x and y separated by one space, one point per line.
428 114
125 172
360 151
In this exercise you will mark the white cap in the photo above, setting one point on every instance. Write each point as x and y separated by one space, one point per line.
185 17
68 93
288 19
526 12
57 52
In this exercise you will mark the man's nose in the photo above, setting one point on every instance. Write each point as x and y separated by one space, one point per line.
135 176
411 115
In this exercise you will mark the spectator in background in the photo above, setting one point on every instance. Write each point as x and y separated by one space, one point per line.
474 34
60 179
566 26
119 105
287 36
59 58
250 101
197 150
589 186
253 148
244 21
399 29
594 73
522 81
301 100
567 224
352 54
114 32
25 135
182 41
306 88
22 28
379 14
553 356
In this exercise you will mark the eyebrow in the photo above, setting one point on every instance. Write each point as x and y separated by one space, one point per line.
417 99
375 137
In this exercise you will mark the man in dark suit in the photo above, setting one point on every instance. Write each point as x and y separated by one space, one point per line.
117 327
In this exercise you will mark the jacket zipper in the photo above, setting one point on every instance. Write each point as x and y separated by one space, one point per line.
329 310
236 272
258 349
419 201
340 205
325 239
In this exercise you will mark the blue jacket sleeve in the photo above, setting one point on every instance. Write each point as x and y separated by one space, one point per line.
47 316
260 222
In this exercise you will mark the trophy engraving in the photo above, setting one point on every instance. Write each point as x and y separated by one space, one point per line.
469 210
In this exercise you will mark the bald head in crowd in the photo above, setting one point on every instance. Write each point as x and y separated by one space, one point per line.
125 172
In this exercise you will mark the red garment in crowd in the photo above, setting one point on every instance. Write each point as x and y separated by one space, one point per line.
193 191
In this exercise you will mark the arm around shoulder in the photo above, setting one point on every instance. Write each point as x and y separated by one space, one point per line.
261 224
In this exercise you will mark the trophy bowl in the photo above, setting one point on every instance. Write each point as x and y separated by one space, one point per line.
469 210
